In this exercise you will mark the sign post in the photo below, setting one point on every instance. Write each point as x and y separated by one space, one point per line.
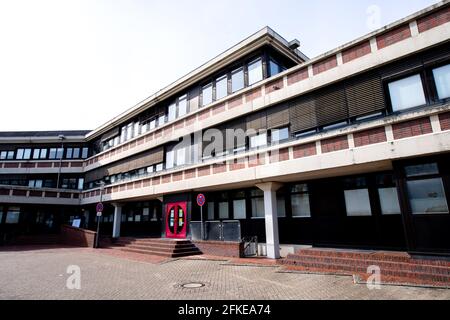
99 208
201 202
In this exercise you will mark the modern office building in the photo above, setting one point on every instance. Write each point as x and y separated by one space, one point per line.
349 149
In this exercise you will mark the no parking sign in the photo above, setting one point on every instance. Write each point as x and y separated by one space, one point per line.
201 200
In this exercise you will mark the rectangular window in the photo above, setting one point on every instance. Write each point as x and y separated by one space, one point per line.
239 210
181 156
52 153
19 154
223 210
31 183
255 73
182 106
280 135
207 97
161 120
258 141
274 68
407 93
80 184
85 153
27 154
281 206
300 206
172 113
10 155
210 206
150 169
258 207
59 153
237 80
389 201
421 170
3 155
129 131
152 124
442 80
221 87
69 153
76 152
170 159
36 153
357 203
12 216
427 196
159 167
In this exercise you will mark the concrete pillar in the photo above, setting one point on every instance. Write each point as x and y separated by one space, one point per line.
271 218
117 219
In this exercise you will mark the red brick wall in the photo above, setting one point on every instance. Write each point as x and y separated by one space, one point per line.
412 128
356 52
279 155
252 95
256 160
433 20
444 119
325 65
218 109
298 76
274 86
219 168
221 248
204 171
334 144
367 137
305 150
235 102
77 237
393 36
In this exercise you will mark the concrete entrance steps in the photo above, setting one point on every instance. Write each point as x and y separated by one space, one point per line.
159 247
394 266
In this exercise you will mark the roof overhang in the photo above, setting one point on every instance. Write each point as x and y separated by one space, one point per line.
265 36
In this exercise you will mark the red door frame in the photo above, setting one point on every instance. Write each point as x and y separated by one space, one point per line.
177 234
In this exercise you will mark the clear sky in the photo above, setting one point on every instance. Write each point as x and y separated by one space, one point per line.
76 64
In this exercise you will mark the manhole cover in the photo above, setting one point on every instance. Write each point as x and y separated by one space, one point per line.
192 285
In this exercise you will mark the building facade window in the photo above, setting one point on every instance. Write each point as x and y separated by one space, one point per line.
182 106
426 189
255 72
239 205
258 141
387 194
257 201
210 207
12 215
237 80
221 87
407 93
300 201
442 81
207 94
279 135
357 201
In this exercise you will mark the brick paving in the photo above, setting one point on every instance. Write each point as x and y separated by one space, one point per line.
105 274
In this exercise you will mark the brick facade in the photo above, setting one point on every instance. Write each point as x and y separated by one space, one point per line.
412 128
393 36
433 20
356 52
305 150
325 65
444 120
298 76
334 144
221 248
367 137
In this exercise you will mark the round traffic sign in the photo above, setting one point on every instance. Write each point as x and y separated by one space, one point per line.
99 207
201 200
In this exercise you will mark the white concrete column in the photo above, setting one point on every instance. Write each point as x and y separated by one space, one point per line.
271 218
117 219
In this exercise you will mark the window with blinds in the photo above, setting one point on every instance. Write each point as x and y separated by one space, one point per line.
302 114
365 96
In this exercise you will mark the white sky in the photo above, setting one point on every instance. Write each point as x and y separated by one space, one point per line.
68 65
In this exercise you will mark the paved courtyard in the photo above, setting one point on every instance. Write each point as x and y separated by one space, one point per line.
42 274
